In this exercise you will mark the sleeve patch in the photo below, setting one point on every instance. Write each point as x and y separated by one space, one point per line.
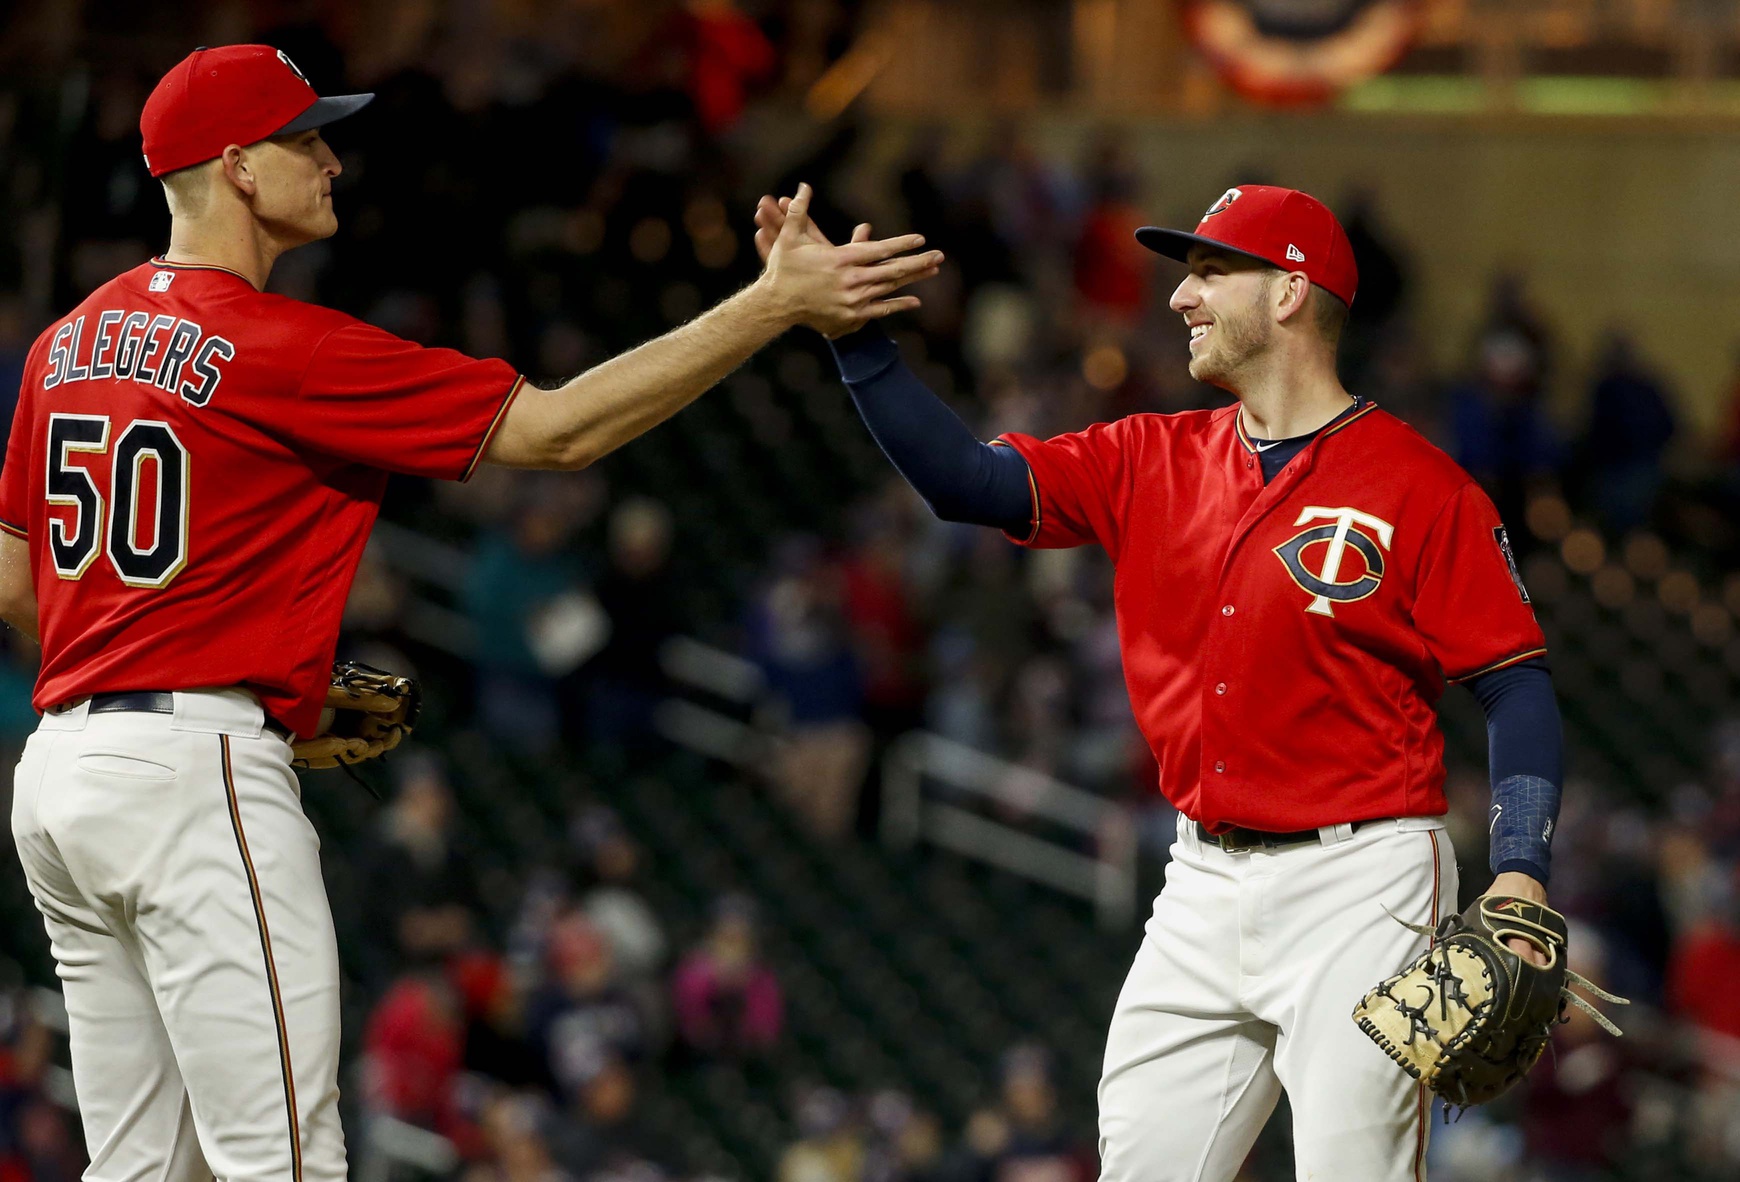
1503 539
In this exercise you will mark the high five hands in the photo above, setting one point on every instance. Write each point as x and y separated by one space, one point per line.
835 289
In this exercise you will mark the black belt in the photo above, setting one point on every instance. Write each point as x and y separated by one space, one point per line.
156 702
1239 841
143 702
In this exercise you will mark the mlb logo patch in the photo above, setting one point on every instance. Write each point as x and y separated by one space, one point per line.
161 280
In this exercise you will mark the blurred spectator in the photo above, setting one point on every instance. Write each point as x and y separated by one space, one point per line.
48 1145
1040 1148
601 1132
413 1046
905 1142
18 718
420 901
497 1044
883 618
639 598
830 1146
516 1148
1705 958
527 604
1630 426
584 1015
611 902
36 1137
728 56
1499 430
1113 272
1384 282
798 636
728 1004
1576 1106
1397 376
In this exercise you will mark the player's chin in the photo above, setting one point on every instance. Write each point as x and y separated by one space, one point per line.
324 224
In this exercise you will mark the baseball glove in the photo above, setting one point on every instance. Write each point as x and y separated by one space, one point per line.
1470 1017
368 712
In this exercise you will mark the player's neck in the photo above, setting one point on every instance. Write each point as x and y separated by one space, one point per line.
1285 403
241 247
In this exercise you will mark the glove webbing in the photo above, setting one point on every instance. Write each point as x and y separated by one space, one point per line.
1441 975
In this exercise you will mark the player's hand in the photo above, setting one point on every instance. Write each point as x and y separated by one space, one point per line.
835 289
1514 882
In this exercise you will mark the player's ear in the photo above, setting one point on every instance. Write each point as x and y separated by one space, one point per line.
238 171
1290 295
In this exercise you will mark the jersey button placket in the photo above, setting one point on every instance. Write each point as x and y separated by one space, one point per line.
1220 688
1220 765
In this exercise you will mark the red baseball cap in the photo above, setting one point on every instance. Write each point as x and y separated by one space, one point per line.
1283 227
234 94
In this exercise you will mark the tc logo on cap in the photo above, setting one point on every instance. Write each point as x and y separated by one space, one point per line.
1226 199
285 58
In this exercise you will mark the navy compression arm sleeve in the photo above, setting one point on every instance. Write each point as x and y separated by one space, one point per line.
960 478
1526 749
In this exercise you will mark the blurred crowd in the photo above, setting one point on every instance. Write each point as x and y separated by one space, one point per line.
555 192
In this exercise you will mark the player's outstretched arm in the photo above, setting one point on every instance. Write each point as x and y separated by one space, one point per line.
833 289
17 590
960 478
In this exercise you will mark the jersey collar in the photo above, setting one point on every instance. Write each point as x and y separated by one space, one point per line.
1359 410
160 261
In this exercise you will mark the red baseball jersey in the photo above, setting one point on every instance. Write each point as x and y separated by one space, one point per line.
1284 644
197 465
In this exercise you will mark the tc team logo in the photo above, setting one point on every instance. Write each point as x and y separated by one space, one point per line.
1226 199
1339 577
285 58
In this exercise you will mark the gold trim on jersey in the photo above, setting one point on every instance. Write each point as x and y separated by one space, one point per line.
1359 412
494 426
1497 665
163 262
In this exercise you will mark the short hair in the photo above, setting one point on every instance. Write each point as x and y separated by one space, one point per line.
186 190
1328 314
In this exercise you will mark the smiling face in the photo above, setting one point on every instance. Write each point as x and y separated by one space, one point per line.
293 186
1227 302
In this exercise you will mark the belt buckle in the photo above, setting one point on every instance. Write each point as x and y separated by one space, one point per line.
1231 845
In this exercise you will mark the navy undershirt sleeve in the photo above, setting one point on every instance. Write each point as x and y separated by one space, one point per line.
1526 749
960 478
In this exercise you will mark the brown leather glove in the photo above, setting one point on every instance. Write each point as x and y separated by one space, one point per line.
371 713
1470 1017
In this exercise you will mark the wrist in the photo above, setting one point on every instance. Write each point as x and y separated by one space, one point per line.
864 353
1519 884
768 307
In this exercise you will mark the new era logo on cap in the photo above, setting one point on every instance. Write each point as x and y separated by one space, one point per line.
1282 227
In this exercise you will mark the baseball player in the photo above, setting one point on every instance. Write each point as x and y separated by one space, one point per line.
1297 577
192 473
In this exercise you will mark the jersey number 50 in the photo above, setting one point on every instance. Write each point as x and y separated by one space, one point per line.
142 557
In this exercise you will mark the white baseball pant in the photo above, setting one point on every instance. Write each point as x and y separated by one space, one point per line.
180 884
1245 984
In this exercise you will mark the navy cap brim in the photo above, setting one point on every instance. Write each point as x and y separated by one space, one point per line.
326 110
1176 244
